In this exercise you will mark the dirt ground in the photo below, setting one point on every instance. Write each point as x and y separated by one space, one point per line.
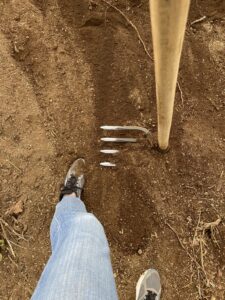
70 66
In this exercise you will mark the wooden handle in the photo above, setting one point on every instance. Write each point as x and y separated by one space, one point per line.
168 20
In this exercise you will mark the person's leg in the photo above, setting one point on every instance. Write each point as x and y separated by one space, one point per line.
80 266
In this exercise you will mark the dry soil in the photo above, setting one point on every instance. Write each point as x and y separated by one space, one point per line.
70 66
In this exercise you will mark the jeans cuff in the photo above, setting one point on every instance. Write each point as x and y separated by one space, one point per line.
70 204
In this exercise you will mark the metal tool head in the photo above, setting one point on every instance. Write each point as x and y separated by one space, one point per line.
118 140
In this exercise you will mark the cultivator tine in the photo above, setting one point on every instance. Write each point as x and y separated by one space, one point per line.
119 140
107 164
109 151
106 127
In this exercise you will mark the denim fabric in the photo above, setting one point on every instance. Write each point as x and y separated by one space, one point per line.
80 266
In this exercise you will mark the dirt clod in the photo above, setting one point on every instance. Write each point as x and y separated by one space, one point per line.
16 209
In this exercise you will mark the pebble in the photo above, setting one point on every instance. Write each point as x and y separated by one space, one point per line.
140 251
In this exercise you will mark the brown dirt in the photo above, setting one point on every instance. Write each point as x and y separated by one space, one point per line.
68 67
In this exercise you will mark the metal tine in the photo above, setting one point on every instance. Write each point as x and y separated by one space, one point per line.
107 164
107 127
109 151
119 140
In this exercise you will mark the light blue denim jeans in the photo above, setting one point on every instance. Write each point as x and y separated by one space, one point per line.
80 266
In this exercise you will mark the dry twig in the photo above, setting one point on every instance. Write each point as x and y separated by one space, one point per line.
199 285
12 164
199 240
198 20
13 262
7 240
131 24
196 229
213 104
220 183
17 245
181 92
11 229
211 225
199 266
182 245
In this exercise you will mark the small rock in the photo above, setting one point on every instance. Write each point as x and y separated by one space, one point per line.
121 231
36 185
16 48
140 251
17 18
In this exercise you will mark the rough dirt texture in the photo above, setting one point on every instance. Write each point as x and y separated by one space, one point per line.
67 67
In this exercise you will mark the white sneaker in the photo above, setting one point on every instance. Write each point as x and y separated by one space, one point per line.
74 181
148 286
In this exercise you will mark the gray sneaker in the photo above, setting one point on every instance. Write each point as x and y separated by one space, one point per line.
74 181
148 286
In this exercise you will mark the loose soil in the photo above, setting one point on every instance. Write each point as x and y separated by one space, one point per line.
68 67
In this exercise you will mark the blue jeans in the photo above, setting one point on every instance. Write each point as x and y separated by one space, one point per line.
80 266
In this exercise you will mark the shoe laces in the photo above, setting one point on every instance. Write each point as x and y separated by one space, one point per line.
70 187
150 296
71 182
